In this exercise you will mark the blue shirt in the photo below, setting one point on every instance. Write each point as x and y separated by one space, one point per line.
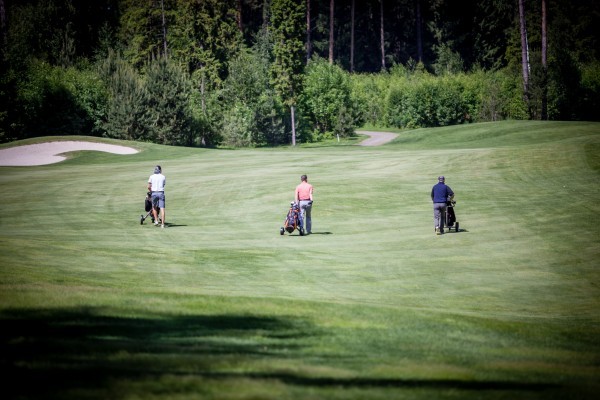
440 193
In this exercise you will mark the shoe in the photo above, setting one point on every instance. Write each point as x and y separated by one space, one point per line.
437 231
162 226
156 223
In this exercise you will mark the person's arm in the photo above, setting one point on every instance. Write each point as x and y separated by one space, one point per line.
149 185
296 196
311 194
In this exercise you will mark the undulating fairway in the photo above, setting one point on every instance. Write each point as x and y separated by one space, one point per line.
372 305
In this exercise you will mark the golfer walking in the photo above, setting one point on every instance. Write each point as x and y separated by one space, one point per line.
440 195
156 185
304 198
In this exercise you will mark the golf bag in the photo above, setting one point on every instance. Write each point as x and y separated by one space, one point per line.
293 220
450 217
148 207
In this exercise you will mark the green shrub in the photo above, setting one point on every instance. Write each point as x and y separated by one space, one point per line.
427 101
239 126
326 100
55 100
248 85
369 92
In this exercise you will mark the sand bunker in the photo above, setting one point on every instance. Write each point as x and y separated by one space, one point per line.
49 153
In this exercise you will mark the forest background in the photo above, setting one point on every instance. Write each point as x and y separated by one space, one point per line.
269 72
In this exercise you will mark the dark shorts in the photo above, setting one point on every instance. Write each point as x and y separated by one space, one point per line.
158 199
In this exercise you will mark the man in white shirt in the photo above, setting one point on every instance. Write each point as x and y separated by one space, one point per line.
156 185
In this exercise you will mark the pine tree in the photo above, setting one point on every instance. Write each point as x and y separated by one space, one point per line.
168 103
127 114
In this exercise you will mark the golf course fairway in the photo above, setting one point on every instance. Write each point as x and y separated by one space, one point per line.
372 305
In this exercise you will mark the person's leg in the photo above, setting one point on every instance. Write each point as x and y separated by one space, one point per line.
155 201
162 206
305 208
308 219
442 218
437 217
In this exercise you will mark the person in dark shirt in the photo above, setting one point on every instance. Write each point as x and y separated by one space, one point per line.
440 195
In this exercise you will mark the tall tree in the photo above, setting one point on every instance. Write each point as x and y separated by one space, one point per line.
331 27
352 10
524 52
238 16
381 35
141 29
308 31
127 114
288 30
3 29
204 37
164 27
544 64
168 103
419 29
494 22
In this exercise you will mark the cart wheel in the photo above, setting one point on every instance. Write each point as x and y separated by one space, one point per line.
301 232
456 226
281 231
142 220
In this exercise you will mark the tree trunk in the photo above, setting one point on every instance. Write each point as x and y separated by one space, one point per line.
524 54
240 23
544 63
419 30
3 29
331 14
382 36
292 112
352 35
164 26
265 13
308 28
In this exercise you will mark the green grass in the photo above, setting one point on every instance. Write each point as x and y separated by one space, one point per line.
372 306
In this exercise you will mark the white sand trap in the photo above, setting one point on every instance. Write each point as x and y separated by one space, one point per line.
49 153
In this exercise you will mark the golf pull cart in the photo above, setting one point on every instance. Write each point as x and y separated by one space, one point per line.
450 217
148 207
293 220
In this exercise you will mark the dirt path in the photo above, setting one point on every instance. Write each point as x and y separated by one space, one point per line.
376 138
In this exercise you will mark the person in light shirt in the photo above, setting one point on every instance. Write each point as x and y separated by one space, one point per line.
304 197
156 185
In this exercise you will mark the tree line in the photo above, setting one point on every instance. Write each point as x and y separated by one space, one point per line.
270 72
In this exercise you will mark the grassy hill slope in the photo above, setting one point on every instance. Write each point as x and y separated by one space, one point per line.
372 305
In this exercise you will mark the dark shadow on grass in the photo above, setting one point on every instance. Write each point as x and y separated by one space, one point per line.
367 383
169 225
45 353
86 353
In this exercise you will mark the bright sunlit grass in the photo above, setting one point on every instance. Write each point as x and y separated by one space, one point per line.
372 305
